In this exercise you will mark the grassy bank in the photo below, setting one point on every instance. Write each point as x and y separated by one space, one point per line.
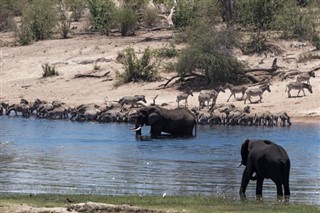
176 203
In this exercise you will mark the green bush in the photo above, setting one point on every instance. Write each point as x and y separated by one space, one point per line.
76 7
6 19
258 14
167 52
185 14
126 20
41 17
137 70
48 70
102 15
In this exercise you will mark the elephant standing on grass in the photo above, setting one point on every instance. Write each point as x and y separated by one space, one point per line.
177 122
267 160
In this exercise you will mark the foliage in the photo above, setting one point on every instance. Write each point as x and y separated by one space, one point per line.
167 52
127 20
41 17
48 70
209 53
185 14
296 23
136 70
257 14
149 16
64 24
6 19
76 7
256 44
15 6
102 15
316 41
23 34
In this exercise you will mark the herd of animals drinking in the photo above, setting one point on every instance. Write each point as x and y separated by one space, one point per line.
262 158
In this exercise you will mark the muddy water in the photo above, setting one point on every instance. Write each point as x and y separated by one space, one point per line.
41 156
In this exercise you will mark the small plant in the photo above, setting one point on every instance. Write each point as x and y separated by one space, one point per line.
316 41
96 67
167 52
137 69
169 67
23 34
149 16
308 57
49 71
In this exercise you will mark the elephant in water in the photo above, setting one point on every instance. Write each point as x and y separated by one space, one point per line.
267 160
176 122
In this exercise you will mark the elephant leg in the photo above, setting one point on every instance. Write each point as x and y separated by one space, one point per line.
259 186
246 176
279 188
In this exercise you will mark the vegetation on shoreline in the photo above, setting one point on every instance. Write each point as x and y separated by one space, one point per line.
173 203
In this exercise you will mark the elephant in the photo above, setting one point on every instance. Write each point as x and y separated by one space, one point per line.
267 160
177 122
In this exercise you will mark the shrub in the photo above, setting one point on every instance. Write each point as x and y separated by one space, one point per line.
136 70
167 52
127 20
149 16
316 41
102 15
76 7
258 14
41 17
6 19
49 71
256 44
295 23
23 34
185 14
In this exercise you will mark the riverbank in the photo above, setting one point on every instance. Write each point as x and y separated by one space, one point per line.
94 203
21 74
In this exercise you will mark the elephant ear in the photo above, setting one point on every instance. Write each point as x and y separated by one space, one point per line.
153 118
245 152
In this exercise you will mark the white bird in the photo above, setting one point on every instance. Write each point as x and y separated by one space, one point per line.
164 194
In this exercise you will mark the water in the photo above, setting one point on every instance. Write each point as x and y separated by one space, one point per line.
43 156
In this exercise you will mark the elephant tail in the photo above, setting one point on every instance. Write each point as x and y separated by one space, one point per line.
286 178
195 128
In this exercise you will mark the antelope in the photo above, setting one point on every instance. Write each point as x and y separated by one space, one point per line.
235 89
306 77
184 96
251 92
298 86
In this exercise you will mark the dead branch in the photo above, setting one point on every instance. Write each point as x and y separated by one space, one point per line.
162 38
273 68
163 86
91 76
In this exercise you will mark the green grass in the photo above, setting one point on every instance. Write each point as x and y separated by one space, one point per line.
192 204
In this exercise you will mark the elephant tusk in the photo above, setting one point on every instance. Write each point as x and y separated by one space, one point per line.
240 165
136 129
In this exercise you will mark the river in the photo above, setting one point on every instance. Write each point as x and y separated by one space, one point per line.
49 156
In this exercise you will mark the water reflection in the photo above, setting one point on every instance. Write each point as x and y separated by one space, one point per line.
41 156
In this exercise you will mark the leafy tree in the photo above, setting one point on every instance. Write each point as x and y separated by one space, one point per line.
209 54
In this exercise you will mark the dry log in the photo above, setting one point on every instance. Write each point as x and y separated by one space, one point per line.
91 76
273 68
